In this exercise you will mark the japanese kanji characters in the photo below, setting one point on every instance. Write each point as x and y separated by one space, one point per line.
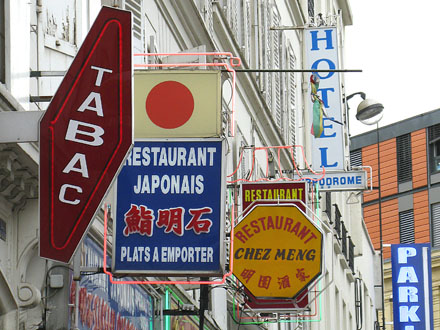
139 219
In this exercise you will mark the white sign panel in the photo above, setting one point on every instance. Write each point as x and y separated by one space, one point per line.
327 143
336 181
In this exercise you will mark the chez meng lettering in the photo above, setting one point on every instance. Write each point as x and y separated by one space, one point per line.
278 254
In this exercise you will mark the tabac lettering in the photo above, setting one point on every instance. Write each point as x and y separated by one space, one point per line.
86 133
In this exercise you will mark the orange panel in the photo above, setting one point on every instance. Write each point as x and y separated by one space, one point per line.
371 195
390 218
421 217
371 214
418 150
421 201
419 172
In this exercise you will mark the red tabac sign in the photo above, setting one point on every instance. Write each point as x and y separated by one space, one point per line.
85 134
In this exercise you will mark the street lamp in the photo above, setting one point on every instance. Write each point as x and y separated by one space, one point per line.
370 112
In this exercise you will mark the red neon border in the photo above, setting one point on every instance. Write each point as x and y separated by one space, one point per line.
229 69
53 122
291 316
284 178
233 62
222 281
237 310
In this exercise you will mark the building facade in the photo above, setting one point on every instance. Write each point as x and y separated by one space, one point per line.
265 124
408 157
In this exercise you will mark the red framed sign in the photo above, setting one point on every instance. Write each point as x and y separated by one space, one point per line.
85 134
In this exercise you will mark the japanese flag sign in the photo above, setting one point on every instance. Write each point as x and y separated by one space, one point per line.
177 104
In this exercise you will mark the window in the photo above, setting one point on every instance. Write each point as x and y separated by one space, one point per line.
328 205
406 227
351 254
344 240
434 148
404 162
435 224
2 42
338 222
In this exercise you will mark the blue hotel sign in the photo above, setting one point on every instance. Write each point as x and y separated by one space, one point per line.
321 53
170 209
412 286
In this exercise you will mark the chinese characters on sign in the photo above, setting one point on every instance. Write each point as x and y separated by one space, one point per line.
170 209
139 219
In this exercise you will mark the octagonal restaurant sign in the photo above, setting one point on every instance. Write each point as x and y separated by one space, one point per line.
277 251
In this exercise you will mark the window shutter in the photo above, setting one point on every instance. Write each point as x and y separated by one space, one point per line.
292 97
406 226
247 32
328 205
207 12
404 162
284 64
233 22
356 158
267 52
435 220
275 78
311 8
135 6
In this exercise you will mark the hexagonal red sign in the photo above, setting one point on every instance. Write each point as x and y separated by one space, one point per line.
277 251
85 134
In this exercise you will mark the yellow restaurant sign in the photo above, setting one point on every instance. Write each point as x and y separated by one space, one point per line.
277 251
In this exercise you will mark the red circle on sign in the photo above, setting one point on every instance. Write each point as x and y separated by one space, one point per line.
169 104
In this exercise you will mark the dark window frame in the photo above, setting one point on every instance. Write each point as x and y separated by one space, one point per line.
2 43
434 148
328 205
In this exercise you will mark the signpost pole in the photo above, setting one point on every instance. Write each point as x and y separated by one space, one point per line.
204 289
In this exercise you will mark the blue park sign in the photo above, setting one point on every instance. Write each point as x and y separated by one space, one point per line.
412 286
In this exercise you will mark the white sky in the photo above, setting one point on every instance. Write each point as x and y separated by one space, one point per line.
396 43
